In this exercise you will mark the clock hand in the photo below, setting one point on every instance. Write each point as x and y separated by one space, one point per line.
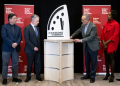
61 24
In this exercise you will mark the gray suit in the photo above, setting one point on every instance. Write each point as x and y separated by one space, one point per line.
91 47
90 38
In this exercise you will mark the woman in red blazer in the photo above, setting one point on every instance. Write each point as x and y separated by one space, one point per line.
110 40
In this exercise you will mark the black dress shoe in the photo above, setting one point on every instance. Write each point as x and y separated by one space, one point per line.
27 79
4 81
111 79
85 77
118 79
16 80
39 79
92 80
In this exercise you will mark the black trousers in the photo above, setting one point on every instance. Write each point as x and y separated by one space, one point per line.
37 64
90 57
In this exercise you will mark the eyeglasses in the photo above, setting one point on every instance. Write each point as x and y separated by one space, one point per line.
83 19
15 18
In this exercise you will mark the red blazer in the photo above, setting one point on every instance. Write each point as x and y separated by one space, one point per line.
110 31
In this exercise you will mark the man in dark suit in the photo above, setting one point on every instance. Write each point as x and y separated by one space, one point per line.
91 46
32 47
11 35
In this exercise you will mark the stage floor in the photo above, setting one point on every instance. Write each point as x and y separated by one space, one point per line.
76 82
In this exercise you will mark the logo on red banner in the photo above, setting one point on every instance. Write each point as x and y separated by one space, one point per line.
9 10
104 10
96 21
9 68
87 11
28 11
19 20
25 68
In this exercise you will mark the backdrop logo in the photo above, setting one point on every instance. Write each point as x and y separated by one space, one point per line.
20 60
9 10
19 20
87 11
104 10
98 58
25 67
96 21
9 68
104 68
27 10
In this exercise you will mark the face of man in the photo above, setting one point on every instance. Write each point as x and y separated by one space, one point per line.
84 20
109 16
35 21
13 20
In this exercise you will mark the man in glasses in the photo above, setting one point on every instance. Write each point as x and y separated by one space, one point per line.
91 46
11 35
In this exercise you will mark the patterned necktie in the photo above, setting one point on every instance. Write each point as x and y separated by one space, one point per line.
35 31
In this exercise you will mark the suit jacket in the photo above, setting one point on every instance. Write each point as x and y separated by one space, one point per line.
9 38
31 40
91 37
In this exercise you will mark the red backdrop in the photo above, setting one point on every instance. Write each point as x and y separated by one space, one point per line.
23 13
98 14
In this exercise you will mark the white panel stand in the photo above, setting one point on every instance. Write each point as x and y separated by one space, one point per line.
58 60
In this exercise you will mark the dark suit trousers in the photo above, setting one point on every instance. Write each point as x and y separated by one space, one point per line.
5 63
90 57
37 64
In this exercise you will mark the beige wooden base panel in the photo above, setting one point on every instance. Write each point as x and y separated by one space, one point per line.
51 74
67 74
55 75
53 61
67 61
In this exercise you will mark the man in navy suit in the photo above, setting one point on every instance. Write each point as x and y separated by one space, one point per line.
11 35
32 47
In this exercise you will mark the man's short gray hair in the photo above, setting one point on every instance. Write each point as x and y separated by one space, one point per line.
34 16
87 16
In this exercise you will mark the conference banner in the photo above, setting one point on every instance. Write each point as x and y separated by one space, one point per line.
23 13
98 14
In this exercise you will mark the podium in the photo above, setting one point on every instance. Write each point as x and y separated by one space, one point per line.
58 60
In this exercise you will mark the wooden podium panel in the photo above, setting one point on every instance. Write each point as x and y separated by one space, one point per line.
55 75
53 61
58 60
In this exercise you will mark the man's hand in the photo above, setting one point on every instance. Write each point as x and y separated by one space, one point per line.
36 49
14 45
77 40
70 37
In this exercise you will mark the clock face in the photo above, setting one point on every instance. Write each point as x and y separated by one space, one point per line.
56 24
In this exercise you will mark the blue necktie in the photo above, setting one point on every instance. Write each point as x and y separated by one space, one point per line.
85 29
35 30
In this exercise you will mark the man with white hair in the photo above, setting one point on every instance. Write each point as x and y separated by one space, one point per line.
32 47
91 46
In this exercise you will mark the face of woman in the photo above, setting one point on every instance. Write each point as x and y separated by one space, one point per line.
109 16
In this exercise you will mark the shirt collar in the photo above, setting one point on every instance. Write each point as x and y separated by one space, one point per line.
87 24
32 24
12 25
